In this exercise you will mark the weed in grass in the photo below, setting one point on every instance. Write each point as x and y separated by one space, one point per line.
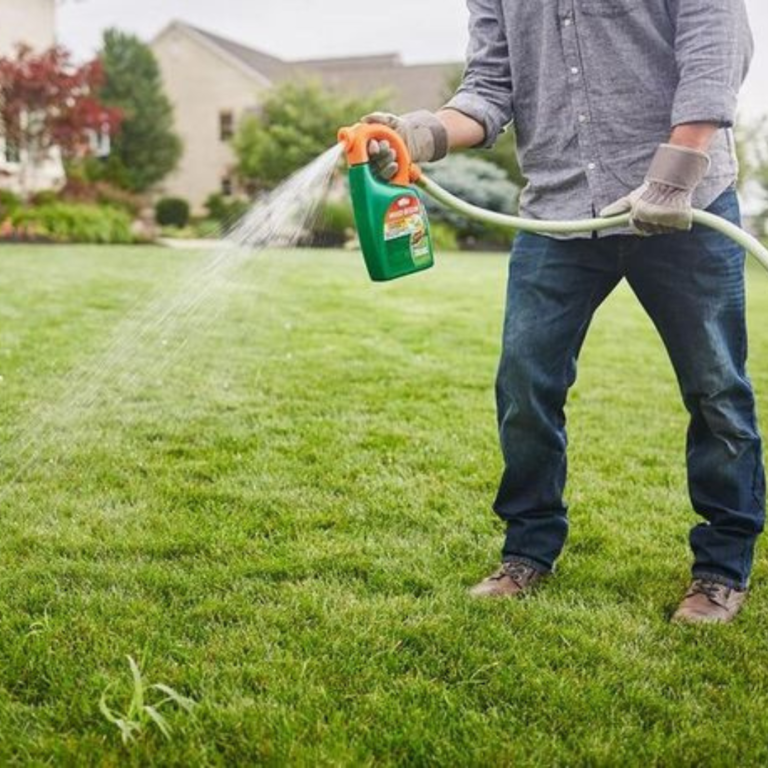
140 714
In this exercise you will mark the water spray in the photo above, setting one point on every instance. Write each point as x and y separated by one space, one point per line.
393 225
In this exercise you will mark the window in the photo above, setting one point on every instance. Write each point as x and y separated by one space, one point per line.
226 126
100 142
9 153
226 187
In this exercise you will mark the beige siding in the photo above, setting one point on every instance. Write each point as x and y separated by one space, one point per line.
201 84
32 22
26 21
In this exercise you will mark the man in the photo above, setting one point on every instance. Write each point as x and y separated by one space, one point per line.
618 106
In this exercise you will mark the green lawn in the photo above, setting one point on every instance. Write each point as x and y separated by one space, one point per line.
280 520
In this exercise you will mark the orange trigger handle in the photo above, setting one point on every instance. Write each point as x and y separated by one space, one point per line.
356 138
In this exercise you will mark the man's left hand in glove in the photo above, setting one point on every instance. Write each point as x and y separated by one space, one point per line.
664 202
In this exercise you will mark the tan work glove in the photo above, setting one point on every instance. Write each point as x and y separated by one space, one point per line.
424 135
664 203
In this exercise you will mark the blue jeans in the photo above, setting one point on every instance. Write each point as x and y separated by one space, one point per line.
691 284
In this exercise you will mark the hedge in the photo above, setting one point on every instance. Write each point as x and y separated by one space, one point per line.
172 212
74 223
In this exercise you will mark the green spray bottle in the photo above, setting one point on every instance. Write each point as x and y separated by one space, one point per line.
391 219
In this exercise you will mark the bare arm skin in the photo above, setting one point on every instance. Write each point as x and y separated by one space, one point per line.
463 131
694 135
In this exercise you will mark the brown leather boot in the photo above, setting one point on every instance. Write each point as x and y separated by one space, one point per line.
513 579
709 601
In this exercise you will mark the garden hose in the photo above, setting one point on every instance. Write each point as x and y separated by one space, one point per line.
434 190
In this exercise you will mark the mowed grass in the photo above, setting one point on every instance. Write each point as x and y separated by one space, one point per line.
281 524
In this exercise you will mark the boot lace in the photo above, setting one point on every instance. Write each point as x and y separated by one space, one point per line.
712 590
516 570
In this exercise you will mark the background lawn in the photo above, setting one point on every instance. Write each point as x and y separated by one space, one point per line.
280 520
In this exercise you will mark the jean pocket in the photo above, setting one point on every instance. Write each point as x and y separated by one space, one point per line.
609 8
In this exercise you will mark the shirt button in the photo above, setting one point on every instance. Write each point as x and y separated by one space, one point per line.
591 166
583 118
567 22
574 70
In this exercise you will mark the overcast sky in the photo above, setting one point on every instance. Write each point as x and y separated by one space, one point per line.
421 30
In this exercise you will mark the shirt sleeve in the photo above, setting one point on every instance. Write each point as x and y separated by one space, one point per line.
713 48
485 93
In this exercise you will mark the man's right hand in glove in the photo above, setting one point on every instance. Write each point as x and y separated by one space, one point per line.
424 135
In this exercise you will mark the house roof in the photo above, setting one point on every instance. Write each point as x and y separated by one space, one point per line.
268 66
379 60
423 86
420 86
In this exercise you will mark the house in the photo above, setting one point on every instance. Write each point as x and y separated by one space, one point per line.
213 82
32 23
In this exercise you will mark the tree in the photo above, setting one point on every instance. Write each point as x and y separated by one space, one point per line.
47 103
296 123
752 151
753 140
147 149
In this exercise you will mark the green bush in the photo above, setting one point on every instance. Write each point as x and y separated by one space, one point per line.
8 203
207 228
444 236
81 189
295 123
333 226
74 223
337 217
226 211
46 197
217 206
482 184
172 212
108 194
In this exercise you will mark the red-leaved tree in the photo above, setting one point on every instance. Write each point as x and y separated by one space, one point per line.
47 101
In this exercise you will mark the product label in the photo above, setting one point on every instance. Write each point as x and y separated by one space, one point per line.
406 218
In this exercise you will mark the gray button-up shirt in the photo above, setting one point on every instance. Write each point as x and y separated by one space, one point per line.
593 87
